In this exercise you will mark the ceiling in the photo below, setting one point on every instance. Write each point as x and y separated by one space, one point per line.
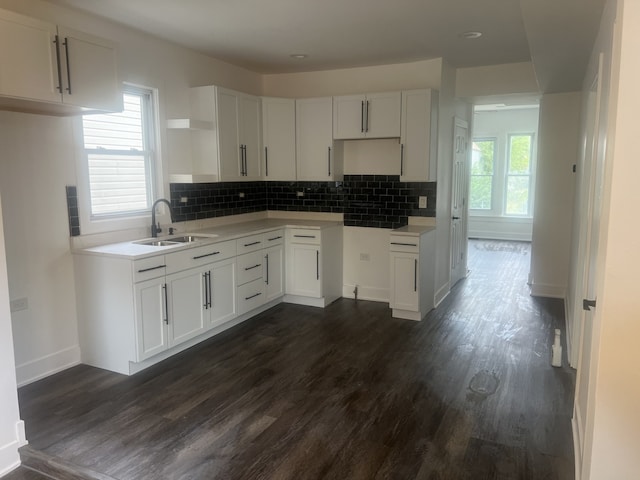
261 35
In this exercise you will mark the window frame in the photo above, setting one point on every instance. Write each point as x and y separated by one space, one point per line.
507 174
491 209
102 223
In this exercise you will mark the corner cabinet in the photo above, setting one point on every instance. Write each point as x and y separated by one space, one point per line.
53 69
279 139
419 136
412 274
314 266
316 157
374 115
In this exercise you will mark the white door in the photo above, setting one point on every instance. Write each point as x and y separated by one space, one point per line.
314 139
279 138
28 58
303 270
222 292
188 304
151 317
89 71
591 185
250 135
459 188
404 282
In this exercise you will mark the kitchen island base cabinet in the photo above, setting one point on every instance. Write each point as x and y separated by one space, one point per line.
314 266
412 275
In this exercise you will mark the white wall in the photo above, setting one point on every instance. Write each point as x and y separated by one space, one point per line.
499 124
10 425
557 153
510 79
616 380
38 161
370 275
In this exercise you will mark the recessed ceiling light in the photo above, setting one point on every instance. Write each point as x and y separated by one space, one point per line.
471 35
298 56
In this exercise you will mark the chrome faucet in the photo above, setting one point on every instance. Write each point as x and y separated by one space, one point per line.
155 228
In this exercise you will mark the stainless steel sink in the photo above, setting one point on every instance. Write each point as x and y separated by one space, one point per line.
157 243
189 238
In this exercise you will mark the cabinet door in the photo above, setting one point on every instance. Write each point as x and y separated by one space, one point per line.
419 136
89 72
349 117
187 304
223 292
228 136
250 135
28 58
151 317
274 271
251 295
304 270
314 139
279 138
404 282
382 118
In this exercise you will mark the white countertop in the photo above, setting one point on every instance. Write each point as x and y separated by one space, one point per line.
134 251
413 230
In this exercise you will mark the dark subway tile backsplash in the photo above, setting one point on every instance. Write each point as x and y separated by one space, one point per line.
378 201
72 210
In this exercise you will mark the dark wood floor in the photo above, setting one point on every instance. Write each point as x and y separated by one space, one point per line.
345 392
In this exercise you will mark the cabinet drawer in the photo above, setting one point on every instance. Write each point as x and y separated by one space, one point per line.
273 238
404 243
195 257
300 235
249 244
148 268
250 295
250 266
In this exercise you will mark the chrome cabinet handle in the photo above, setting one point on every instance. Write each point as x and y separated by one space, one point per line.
57 43
366 124
266 162
66 50
362 116
401 159
205 286
266 259
405 244
205 255
151 268
275 238
252 243
251 268
304 236
329 163
415 275
317 264
252 296
166 304
209 288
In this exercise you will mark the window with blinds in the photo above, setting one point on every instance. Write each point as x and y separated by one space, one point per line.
119 151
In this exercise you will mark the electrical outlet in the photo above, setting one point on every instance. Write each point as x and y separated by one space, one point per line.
241 194
422 202
299 194
364 257
184 199
19 304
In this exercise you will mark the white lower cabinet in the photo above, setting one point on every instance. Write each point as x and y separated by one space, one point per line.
222 294
151 318
411 274
314 266
274 272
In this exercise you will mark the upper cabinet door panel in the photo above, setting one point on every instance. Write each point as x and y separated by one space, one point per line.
383 115
419 136
314 140
228 135
250 134
349 117
279 138
28 67
89 71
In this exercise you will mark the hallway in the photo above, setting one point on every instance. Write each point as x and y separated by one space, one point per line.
342 393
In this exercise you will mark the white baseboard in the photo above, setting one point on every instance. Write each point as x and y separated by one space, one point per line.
42 367
9 456
373 294
441 294
547 290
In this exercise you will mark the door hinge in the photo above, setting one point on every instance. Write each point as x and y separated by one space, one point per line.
587 304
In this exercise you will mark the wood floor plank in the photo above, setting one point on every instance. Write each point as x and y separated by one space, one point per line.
342 392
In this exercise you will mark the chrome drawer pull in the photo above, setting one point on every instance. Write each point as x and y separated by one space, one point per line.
151 268
205 255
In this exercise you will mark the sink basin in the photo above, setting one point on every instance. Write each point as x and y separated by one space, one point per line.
189 238
157 243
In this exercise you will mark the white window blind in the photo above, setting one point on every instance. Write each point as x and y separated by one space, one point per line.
119 153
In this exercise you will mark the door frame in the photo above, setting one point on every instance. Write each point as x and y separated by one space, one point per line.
464 209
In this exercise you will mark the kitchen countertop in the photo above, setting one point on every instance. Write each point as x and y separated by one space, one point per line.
134 251
413 230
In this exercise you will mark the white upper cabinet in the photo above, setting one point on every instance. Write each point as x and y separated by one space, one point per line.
315 156
52 69
374 115
239 135
419 139
279 138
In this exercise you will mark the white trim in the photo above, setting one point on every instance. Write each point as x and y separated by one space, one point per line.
42 367
577 429
9 457
491 235
441 294
372 294
548 290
